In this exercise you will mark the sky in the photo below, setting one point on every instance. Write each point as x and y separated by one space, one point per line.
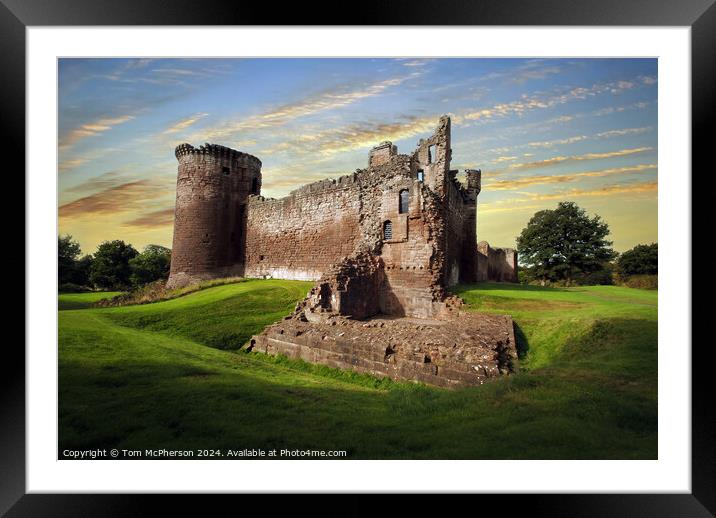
541 130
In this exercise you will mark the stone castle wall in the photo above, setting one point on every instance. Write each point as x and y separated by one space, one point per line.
213 185
302 235
224 227
384 242
496 264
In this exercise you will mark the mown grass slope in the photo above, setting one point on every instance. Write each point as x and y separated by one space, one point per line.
83 300
163 376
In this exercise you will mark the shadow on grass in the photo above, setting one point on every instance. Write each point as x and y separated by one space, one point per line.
521 343
145 404
504 286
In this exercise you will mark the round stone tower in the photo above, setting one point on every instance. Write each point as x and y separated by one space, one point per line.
213 185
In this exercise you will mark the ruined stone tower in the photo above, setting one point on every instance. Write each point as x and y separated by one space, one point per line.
213 185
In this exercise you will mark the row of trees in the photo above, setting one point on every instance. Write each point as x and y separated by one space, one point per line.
115 265
565 245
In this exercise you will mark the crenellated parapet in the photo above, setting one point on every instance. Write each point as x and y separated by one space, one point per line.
223 153
322 185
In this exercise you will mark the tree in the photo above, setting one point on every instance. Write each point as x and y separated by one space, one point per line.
561 243
151 265
83 268
67 252
640 260
110 268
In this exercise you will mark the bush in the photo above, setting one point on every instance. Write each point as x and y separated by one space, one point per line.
151 265
110 268
640 260
69 287
643 282
603 277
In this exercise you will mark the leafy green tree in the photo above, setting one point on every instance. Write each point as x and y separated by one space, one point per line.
83 267
640 260
110 268
151 265
68 250
561 243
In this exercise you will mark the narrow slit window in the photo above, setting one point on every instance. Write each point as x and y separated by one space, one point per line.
421 175
431 154
404 202
387 231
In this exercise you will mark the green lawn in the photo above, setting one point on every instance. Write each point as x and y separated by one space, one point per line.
83 300
166 375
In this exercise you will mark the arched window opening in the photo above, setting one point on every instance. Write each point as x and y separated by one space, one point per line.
387 231
404 202
421 175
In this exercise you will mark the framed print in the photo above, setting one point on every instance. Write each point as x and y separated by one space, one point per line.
414 256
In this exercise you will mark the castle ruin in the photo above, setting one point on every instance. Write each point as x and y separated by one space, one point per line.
383 244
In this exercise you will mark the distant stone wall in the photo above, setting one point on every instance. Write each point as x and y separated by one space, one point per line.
461 219
496 264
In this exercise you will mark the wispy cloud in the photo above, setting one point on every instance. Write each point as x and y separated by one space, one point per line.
530 70
417 62
355 136
619 109
101 182
540 101
566 159
68 165
521 183
531 201
91 129
126 197
607 190
336 98
579 138
185 123
152 220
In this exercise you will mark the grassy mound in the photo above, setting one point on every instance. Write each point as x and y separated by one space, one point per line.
143 377
157 291
83 300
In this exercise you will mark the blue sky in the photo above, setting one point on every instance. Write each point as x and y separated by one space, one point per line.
541 130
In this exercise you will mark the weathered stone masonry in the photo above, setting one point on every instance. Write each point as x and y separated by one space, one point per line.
496 264
383 243
213 185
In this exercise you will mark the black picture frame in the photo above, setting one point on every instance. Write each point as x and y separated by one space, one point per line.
700 15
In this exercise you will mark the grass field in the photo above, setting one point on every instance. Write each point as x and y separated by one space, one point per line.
167 375
82 300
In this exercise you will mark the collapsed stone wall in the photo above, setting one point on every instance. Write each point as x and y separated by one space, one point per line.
496 264
461 349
